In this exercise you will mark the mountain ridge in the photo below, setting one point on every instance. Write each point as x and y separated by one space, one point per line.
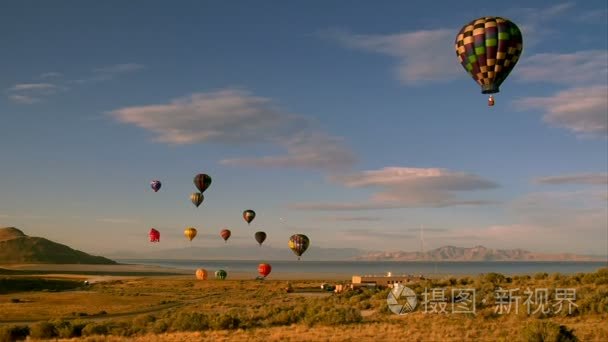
18 248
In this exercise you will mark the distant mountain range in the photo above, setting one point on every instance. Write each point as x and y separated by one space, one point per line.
18 248
239 252
446 253
477 253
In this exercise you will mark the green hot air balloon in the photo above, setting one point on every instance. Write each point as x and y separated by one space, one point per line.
488 48
260 237
299 243
197 198
220 274
202 181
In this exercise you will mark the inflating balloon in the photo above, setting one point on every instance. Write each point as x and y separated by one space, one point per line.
264 269
201 274
221 274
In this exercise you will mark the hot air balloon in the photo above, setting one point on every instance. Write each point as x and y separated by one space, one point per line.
190 233
260 237
201 274
248 215
299 243
197 198
155 185
225 234
264 269
221 274
202 181
488 48
154 235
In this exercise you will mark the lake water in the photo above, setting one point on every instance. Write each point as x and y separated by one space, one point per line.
349 268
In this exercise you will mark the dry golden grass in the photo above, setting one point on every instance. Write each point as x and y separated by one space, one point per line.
265 312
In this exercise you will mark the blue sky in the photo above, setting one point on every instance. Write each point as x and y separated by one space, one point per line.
350 122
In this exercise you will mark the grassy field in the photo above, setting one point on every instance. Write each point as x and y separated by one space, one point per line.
178 308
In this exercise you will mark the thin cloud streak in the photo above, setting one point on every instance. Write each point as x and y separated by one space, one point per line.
582 178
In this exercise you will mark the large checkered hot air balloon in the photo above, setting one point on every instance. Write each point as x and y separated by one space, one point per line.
488 48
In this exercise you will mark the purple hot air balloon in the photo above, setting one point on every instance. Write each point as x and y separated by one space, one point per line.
155 185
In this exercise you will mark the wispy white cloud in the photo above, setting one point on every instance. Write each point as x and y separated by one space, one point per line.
402 187
110 72
533 22
52 74
422 56
33 86
581 178
23 99
581 67
234 116
583 110
29 93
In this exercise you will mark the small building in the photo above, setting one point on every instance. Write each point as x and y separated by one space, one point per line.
380 280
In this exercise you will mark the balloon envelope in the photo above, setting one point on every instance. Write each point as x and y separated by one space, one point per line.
299 243
488 48
248 215
264 269
155 185
190 233
197 198
225 234
154 235
202 181
260 237
221 274
201 274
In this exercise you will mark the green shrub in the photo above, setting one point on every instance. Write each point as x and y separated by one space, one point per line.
193 321
14 333
543 331
226 321
43 330
95 329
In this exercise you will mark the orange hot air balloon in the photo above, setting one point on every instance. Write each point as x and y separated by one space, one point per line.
201 274
264 269
225 234
190 233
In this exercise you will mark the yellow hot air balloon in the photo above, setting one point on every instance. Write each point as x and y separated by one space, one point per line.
201 274
190 233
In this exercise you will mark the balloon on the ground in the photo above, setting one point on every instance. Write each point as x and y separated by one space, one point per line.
201 274
221 274
154 235
264 269
488 48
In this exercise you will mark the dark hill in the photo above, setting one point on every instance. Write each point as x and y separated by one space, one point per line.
18 248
